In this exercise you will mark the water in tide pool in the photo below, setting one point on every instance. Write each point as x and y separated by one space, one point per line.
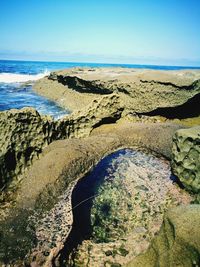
14 93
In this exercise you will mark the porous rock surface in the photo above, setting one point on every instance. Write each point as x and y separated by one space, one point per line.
41 218
177 243
35 226
96 96
25 133
141 91
186 157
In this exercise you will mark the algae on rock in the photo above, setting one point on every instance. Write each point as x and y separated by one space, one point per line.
127 208
178 242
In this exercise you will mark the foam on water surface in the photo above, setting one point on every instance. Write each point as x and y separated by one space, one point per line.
17 96
21 78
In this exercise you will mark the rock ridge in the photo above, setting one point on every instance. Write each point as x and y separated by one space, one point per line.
28 132
140 91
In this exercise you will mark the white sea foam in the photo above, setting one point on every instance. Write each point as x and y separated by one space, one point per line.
21 78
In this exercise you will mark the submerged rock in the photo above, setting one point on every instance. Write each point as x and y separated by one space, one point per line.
178 242
186 157
127 207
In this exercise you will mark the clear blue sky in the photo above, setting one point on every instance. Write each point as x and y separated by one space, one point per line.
116 31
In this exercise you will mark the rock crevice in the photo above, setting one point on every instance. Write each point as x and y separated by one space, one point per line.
189 109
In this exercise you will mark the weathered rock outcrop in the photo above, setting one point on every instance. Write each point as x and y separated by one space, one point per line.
140 91
186 157
24 133
178 243
35 225
89 92
42 218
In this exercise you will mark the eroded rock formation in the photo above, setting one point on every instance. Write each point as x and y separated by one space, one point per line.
177 243
25 133
97 96
140 91
43 203
186 157
37 220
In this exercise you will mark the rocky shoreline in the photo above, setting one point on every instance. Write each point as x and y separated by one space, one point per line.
140 91
42 160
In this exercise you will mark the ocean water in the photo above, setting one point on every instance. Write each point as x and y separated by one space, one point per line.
17 77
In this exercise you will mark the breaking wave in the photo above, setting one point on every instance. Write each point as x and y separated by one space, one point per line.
21 78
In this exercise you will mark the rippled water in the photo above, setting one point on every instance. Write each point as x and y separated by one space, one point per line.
19 96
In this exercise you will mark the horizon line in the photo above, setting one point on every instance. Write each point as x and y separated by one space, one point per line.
103 63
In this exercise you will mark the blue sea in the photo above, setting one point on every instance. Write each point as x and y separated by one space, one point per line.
17 77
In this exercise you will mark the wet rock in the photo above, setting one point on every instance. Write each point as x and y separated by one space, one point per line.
177 243
186 157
